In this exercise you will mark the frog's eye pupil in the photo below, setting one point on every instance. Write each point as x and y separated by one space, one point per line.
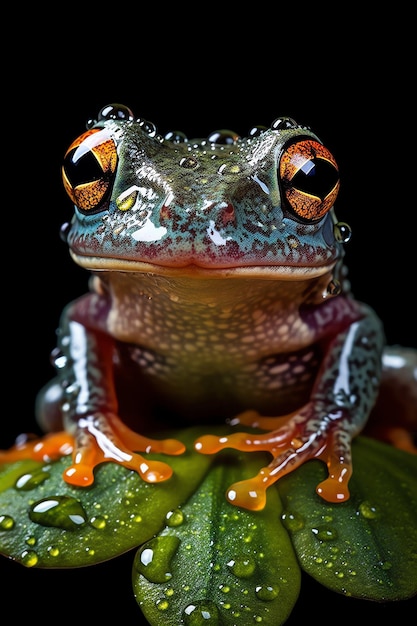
316 177
82 169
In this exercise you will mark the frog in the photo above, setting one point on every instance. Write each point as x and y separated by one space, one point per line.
218 295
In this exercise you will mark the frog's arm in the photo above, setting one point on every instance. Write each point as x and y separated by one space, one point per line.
94 432
341 400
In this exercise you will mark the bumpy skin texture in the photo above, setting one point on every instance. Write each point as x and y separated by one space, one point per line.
218 293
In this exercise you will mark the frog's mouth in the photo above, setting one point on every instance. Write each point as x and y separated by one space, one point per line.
194 270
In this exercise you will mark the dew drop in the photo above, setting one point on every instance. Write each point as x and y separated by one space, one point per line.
58 511
293 521
29 558
174 518
202 613
243 567
162 605
266 593
153 561
98 522
6 522
31 541
368 510
26 482
334 287
53 551
342 232
325 533
189 163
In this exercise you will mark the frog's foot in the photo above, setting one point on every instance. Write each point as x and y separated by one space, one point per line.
295 440
98 439
46 449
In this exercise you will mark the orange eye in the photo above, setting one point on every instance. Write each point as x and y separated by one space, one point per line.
310 179
88 169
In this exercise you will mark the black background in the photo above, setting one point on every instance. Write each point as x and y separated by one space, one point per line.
343 76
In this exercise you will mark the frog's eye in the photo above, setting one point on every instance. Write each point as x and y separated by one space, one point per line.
88 169
310 179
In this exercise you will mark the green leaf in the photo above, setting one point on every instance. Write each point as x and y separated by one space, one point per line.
365 547
214 563
45 522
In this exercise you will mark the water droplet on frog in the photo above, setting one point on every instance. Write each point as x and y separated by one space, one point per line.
189 163
201 613
58 358
29 558
223 137
153 561
368 510
174 518
176 136
148 127
255 131
64 230
242 567
26 482
266 593
293 521
58 511
115 111
283 123
342 232
6 522
325 533
334 287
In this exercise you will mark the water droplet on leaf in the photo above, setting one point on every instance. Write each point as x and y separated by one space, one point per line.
29 558
174 518
292 521
153 561
325 533
26 482
58 511
6 522
368 510
203 613
266 592
242 567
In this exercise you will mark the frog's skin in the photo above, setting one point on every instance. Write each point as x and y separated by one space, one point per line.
218 295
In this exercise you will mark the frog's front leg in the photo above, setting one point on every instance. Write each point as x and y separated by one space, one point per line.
341 400
94 433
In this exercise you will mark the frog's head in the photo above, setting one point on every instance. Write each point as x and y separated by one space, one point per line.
260 205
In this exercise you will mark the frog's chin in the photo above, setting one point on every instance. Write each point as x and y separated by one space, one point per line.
192 270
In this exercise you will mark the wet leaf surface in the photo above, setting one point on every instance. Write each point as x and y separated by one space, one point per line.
365 547
214 563
200 560
45 522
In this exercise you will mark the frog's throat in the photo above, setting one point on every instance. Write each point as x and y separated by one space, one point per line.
192 270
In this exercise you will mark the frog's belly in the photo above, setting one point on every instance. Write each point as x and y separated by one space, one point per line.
275 385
